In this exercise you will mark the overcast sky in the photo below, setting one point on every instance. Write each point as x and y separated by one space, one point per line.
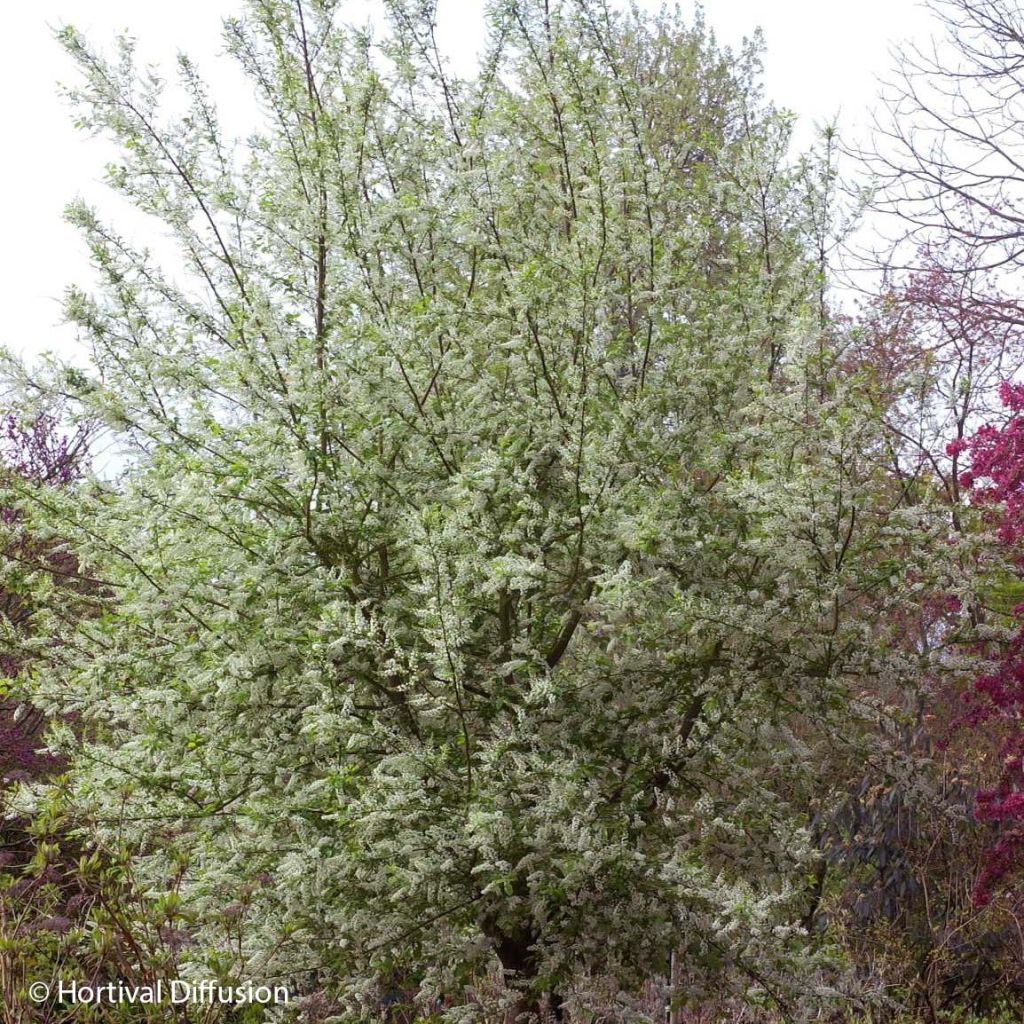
823 59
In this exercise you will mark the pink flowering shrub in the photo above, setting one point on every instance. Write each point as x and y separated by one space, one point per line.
996 700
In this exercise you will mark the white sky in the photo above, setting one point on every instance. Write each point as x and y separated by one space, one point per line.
823 59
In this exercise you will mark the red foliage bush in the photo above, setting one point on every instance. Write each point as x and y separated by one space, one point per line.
996 701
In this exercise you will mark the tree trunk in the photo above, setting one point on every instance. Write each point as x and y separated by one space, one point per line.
675 1010
519 965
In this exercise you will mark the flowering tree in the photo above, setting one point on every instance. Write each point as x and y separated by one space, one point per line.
501 548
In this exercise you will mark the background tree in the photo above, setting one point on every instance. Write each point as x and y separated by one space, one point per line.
946 158
39 457
949 156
